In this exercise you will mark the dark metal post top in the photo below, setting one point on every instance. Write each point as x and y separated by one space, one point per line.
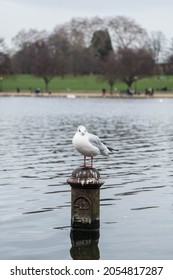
85 178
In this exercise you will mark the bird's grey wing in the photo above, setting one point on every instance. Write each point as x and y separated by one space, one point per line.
95 141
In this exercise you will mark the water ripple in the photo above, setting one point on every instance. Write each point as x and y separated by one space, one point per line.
37 157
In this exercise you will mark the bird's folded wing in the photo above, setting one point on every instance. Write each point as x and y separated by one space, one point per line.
95 141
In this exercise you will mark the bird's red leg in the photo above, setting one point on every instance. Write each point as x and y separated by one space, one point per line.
91 161
84 163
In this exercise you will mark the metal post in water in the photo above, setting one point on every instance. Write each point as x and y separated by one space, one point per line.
85 198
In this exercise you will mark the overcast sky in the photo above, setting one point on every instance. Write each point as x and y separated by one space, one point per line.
15 15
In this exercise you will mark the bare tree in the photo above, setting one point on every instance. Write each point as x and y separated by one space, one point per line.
134 64
126 33
82 61
41 55
79 59
80 30
109 68
74 30
5 61
168 66
43 62
114 47
23 42
157 44
60 46
24 38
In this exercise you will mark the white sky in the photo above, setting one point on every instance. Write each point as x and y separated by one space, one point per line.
15 15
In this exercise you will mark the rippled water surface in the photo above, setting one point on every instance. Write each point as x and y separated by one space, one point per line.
37 157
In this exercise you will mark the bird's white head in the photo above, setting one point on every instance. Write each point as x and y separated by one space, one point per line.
81 130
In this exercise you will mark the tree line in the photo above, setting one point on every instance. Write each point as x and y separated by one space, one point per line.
114 48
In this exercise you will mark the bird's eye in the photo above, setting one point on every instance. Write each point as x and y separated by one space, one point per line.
79 130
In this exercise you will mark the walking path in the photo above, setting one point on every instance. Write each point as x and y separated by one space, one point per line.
88 94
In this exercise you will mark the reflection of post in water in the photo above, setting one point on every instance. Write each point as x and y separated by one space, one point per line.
84 244
85 212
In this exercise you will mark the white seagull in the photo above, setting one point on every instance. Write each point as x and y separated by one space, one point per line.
89 145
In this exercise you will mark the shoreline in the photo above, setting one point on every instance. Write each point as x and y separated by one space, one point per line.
86 95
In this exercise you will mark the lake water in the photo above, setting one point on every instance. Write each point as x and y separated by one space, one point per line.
37 158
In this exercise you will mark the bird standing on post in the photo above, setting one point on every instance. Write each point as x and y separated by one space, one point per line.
89 145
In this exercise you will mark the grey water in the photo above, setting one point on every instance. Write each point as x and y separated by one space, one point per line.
37 158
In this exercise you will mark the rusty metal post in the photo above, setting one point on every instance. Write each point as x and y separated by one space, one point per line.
85 198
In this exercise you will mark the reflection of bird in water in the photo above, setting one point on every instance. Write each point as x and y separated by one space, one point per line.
89 145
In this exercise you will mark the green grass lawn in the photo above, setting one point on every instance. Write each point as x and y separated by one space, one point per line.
69 83
88 83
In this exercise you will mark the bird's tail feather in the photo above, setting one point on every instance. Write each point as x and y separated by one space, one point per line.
112 150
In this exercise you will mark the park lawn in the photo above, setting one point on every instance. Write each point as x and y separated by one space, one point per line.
156 82
86 83
27 83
